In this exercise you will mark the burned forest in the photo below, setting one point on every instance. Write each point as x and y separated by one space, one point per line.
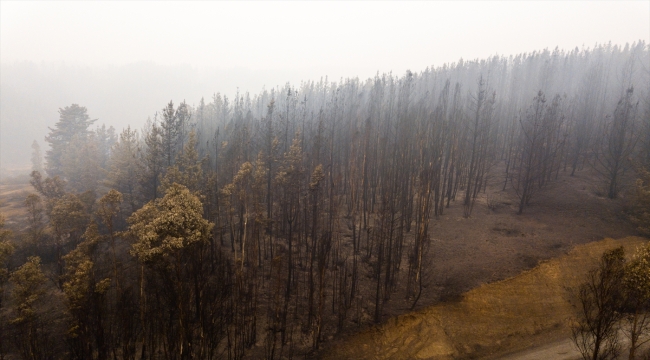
268 225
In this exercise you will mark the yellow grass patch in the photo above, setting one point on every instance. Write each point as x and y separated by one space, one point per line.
12 198
491 319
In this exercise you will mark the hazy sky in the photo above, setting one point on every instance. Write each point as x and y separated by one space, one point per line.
125 60
311 38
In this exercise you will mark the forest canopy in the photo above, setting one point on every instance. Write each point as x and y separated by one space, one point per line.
260 225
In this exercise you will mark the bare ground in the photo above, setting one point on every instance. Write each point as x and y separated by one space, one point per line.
492 245
559 350
496 244
523 317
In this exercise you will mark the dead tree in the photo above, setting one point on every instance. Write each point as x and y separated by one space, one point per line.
619 140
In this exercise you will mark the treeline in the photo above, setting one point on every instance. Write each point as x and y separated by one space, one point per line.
261 225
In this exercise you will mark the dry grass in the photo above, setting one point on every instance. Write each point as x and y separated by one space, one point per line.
12 198
490 320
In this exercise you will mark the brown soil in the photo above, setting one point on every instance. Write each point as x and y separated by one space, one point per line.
496 244
493 320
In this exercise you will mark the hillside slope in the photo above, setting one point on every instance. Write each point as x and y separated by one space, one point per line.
492 320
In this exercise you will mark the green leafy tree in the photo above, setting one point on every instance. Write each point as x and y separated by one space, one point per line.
73 120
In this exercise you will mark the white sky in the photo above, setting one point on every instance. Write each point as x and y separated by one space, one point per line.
311 38
188 50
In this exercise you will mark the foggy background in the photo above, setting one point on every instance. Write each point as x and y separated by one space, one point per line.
125 60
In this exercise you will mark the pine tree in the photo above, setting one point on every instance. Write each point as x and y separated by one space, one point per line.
169 127
37 157
73 121
618 144
28 290
237 196
152 163
641 209
86 299
35 227
183 116
124 165
289 178
106 138
52 189
108 211
81 163
479 155
187 170
539 145
68 220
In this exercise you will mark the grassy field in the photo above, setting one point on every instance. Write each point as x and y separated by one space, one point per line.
492 320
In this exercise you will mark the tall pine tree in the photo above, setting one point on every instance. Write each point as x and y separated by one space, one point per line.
73 120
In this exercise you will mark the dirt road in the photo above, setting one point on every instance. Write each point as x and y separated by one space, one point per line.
561 350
